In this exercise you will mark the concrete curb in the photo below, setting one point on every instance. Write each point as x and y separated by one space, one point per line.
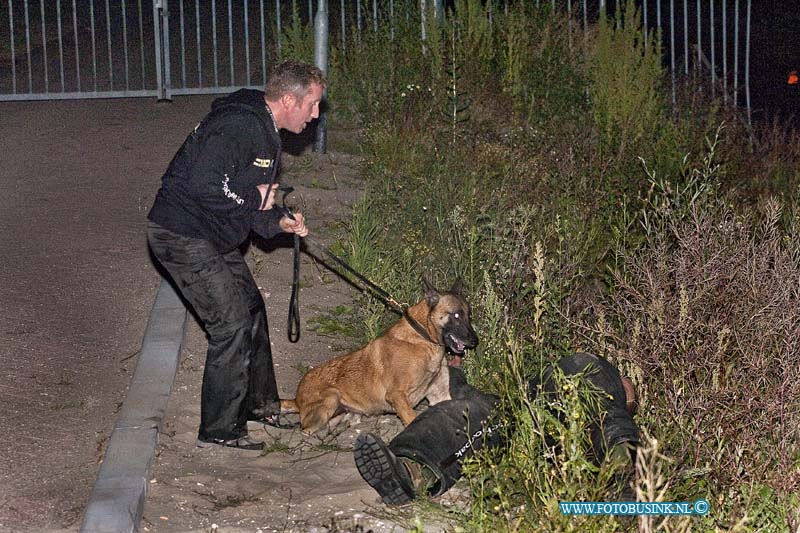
117 499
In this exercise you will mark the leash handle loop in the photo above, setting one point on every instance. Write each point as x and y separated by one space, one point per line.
293 318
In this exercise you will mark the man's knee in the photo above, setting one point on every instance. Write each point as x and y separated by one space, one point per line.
220 331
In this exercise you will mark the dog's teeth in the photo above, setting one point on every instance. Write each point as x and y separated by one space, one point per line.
458 344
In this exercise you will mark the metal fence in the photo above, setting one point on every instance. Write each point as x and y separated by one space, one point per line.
55 49
62 49
214 46
708 40
76 49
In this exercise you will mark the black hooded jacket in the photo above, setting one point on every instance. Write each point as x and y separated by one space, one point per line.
209 190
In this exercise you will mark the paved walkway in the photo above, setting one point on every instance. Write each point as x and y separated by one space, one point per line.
76 288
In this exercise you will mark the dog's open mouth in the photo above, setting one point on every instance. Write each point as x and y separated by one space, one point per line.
455 344
456 350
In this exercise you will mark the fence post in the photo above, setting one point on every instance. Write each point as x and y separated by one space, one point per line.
644 22
321 62
736 53
423 14
672 48
438 11
713 45
161 36
724 53
747 65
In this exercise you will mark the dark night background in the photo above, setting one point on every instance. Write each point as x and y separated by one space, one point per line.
775 35
774 49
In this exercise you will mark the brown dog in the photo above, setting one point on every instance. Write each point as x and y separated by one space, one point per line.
394 372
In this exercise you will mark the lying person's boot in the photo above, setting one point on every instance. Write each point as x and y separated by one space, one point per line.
425 458
242 443
622 459
384 472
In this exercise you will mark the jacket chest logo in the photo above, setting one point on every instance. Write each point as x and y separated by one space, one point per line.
263 163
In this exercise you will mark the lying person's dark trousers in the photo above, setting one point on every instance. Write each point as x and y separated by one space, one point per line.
429 452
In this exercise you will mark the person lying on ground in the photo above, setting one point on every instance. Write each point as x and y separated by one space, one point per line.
427 456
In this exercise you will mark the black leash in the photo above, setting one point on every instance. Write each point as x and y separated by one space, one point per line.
293 319
384 296
293 328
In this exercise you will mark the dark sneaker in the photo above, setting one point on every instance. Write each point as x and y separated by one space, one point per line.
273 421
242 443
380 468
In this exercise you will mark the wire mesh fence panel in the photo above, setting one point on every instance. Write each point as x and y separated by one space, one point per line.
76 49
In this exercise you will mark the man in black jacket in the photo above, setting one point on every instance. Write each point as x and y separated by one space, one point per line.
218 188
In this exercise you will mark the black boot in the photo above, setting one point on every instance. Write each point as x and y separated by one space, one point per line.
622 459
382 470
445 434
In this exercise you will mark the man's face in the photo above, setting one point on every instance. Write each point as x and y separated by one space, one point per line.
305 110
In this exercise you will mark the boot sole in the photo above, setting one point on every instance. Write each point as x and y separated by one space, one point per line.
378 467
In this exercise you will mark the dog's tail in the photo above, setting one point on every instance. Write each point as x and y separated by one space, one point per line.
289 406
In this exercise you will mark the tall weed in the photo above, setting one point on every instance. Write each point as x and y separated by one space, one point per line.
539 69
478 38
297 38
627 104
708 317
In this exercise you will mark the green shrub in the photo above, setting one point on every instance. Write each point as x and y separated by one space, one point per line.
477 32
627 103
539 66
297 38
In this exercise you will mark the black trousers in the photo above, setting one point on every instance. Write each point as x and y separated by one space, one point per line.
445 434
239 378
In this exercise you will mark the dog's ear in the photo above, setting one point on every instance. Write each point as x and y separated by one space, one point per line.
431 294
458 287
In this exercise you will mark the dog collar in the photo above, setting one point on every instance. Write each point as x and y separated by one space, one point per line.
419 329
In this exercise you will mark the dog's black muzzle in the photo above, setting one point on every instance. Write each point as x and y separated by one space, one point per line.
459 337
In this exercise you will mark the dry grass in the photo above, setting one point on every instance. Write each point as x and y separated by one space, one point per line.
710 322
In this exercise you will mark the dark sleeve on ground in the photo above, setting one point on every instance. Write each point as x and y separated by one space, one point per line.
613 424
448 432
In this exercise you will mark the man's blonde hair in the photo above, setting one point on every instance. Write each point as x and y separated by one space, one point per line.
293 77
